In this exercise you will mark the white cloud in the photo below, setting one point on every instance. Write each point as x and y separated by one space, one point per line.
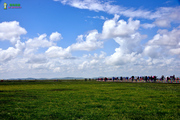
124 33
156 58
10 53
11 31
162 22
120 58
167 15
93 62
58 52
40 41
167 40
57 69
20 46
147 25
55 36
131 43
152 51
164 44
102 55
91 42
163 16
35 43
39 58
175 51
38 66
114 28
83 65
97 5
103 18
128 52
100 17
80 38
129 40
89 64
84 4
138 13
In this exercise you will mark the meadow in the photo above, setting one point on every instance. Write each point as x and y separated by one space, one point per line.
89 100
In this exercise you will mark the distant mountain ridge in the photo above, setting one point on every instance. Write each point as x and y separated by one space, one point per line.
63 78
29 78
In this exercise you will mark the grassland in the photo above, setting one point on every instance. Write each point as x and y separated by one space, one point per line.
89 100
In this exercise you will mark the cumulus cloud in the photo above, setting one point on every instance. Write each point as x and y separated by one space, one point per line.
120 58
11 31
35 43
40 41
166 38
20 46
94 62
114 28
8 54
111 29
91 42
102 55
11 52
58 52
129 51
152 51
164 42
131 43
38 66
89 64
40 58
55 36
80 38
126 35
83 65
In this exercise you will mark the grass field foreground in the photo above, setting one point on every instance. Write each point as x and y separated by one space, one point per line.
89 100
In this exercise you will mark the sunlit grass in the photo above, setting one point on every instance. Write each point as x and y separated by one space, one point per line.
89 100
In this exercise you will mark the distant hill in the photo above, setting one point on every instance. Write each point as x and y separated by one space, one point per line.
70 78
21 79
64 78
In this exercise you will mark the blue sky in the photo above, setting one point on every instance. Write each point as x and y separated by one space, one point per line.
89 38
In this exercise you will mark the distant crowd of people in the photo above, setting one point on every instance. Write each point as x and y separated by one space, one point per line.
137 78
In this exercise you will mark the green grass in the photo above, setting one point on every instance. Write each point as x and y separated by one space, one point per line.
89 100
